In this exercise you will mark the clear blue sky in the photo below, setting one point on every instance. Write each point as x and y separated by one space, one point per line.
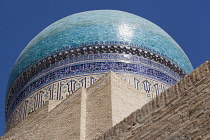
187 21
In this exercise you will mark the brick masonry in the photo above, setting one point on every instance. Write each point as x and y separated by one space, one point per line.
62 122
85 114
181 112
109 100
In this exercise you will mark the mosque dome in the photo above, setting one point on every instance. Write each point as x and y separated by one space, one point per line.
89 44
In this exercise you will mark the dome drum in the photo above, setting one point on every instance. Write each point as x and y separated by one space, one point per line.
64 57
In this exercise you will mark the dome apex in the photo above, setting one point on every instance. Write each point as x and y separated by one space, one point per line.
100 25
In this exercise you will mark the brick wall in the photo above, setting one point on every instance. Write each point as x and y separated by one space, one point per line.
62 122
85 114
181 112
109 100
124 99
98 105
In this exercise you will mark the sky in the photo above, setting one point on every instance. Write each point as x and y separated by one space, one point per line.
186 21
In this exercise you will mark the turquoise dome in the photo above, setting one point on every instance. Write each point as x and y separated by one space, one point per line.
100 25
77 50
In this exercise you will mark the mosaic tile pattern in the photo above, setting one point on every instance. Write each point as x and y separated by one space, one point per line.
122 51
60 89
100 25
87 68
97 57
92 63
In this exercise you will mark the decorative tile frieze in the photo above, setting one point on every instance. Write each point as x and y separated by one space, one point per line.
91 54
73 55
60 89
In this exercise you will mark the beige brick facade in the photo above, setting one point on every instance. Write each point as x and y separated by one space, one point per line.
85 114
109 100
181 112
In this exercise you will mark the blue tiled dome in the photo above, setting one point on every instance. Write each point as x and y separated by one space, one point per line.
77 50
100 25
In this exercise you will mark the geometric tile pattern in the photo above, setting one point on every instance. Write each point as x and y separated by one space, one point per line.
93 63
58 90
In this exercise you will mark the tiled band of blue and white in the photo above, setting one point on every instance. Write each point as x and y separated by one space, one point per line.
65 76
91 59
97 26
59 89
